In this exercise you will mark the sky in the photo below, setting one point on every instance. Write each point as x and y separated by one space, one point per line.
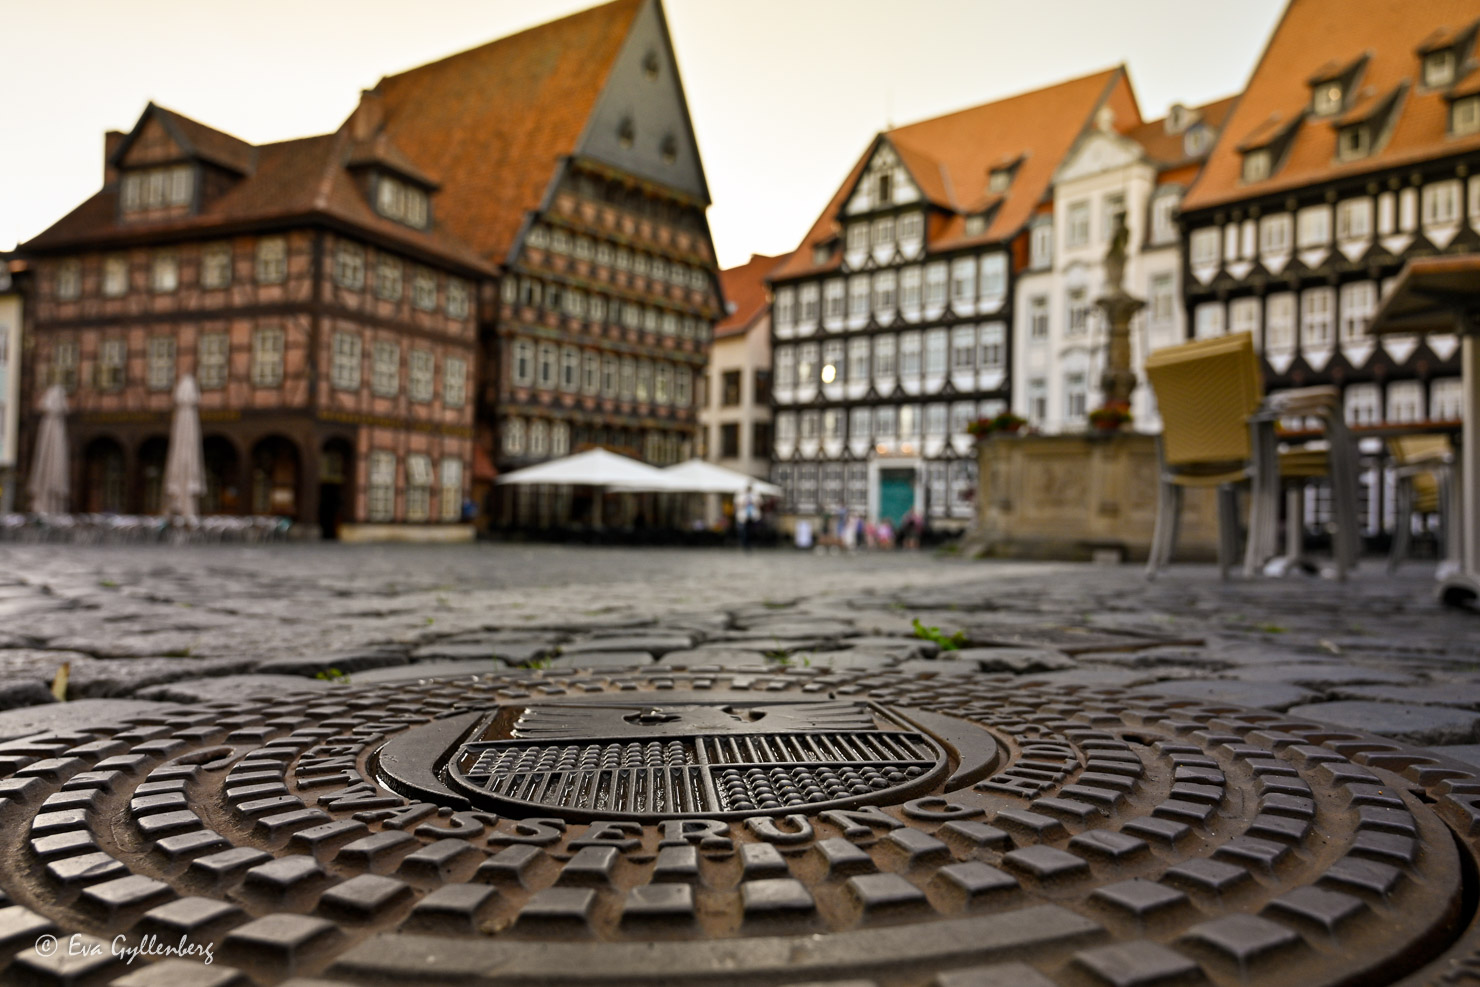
785 94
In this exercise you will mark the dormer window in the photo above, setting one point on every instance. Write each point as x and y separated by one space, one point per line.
1327 98
884 192
1353 142
1256 165
821 253
999 180
976 224
1438 68
1464 116
158 188
401 201
1196 141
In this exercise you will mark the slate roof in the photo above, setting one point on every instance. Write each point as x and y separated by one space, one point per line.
491 123
950 157
1316 39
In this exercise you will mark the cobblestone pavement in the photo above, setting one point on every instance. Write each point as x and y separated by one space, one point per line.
580 766
1377 653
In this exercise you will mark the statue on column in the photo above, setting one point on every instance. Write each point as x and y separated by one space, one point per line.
1119 379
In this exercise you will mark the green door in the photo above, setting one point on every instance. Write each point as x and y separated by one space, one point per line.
896 494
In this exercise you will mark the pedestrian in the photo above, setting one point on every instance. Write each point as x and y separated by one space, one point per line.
886 534
909 530
747 512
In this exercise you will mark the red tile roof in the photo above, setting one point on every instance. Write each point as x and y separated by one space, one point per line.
291 180
1170 150
491 123
1319 37
208 143
745 290
950 157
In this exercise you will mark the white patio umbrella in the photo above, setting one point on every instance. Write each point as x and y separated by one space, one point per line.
184 467
594 468
50 484
698 476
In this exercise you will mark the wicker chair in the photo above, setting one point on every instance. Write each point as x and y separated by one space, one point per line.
1425 485
1218 430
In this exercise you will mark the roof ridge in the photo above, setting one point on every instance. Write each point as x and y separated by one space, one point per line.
1023 94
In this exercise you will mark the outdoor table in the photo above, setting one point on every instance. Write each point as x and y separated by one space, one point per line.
1438 295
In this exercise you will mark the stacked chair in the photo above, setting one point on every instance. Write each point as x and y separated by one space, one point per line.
1219 430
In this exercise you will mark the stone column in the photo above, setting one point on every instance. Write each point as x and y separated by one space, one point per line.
1118 381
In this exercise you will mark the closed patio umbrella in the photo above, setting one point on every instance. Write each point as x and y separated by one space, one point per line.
184 470
49 484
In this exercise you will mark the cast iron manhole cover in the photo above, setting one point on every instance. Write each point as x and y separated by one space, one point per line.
708 826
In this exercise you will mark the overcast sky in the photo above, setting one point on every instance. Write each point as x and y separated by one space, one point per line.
785 94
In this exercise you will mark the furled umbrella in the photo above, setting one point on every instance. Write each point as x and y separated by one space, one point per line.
49 484
184 469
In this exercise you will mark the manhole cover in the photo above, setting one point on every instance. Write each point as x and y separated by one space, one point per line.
734 827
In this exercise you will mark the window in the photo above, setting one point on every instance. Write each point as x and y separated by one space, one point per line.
761 387
963 280
662 381
64 356
272 260
560 439
994 275
807 298
1037 398
546 368
683 387
884 356
886 423
1405 402
158 188
1042 245
1208 320
909 355
115 275
1077 305
345 369
1274 234
1446 399
858 296
785 308
935 284
909 289
993 354
884 189
1114 210
1163 298
784 361
420 371
570 369
936 418
1256 165
883 231
381 499
1464 116
858 359
590 373
112 364
1326 98
1078 225
522 369
1438 68
1038 317
1204 245
857 237
644 391
807 364
454 381
1164 219
1354 219
963 349
760 440
418 487
1353 142
609 373
385 369
513 433
1076 395
164 272
1243 316
1441 202
859 425
349 266
1358 305
884 291
211 352
450 496
215 266
729 441
424 290
1279 322
730 389
833 294
388 278
935 352
911 227
786 427
998 179
267 357
539 438
1362 404
457 298
811 422
1314 226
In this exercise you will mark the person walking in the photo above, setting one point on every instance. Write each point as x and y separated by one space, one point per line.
747 513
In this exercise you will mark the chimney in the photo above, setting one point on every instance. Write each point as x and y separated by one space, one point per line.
368 117
111 142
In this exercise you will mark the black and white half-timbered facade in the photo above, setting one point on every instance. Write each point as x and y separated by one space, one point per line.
891 322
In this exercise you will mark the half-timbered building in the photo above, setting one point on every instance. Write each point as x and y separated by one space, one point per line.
565 154
312 290
1355 148
891 322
